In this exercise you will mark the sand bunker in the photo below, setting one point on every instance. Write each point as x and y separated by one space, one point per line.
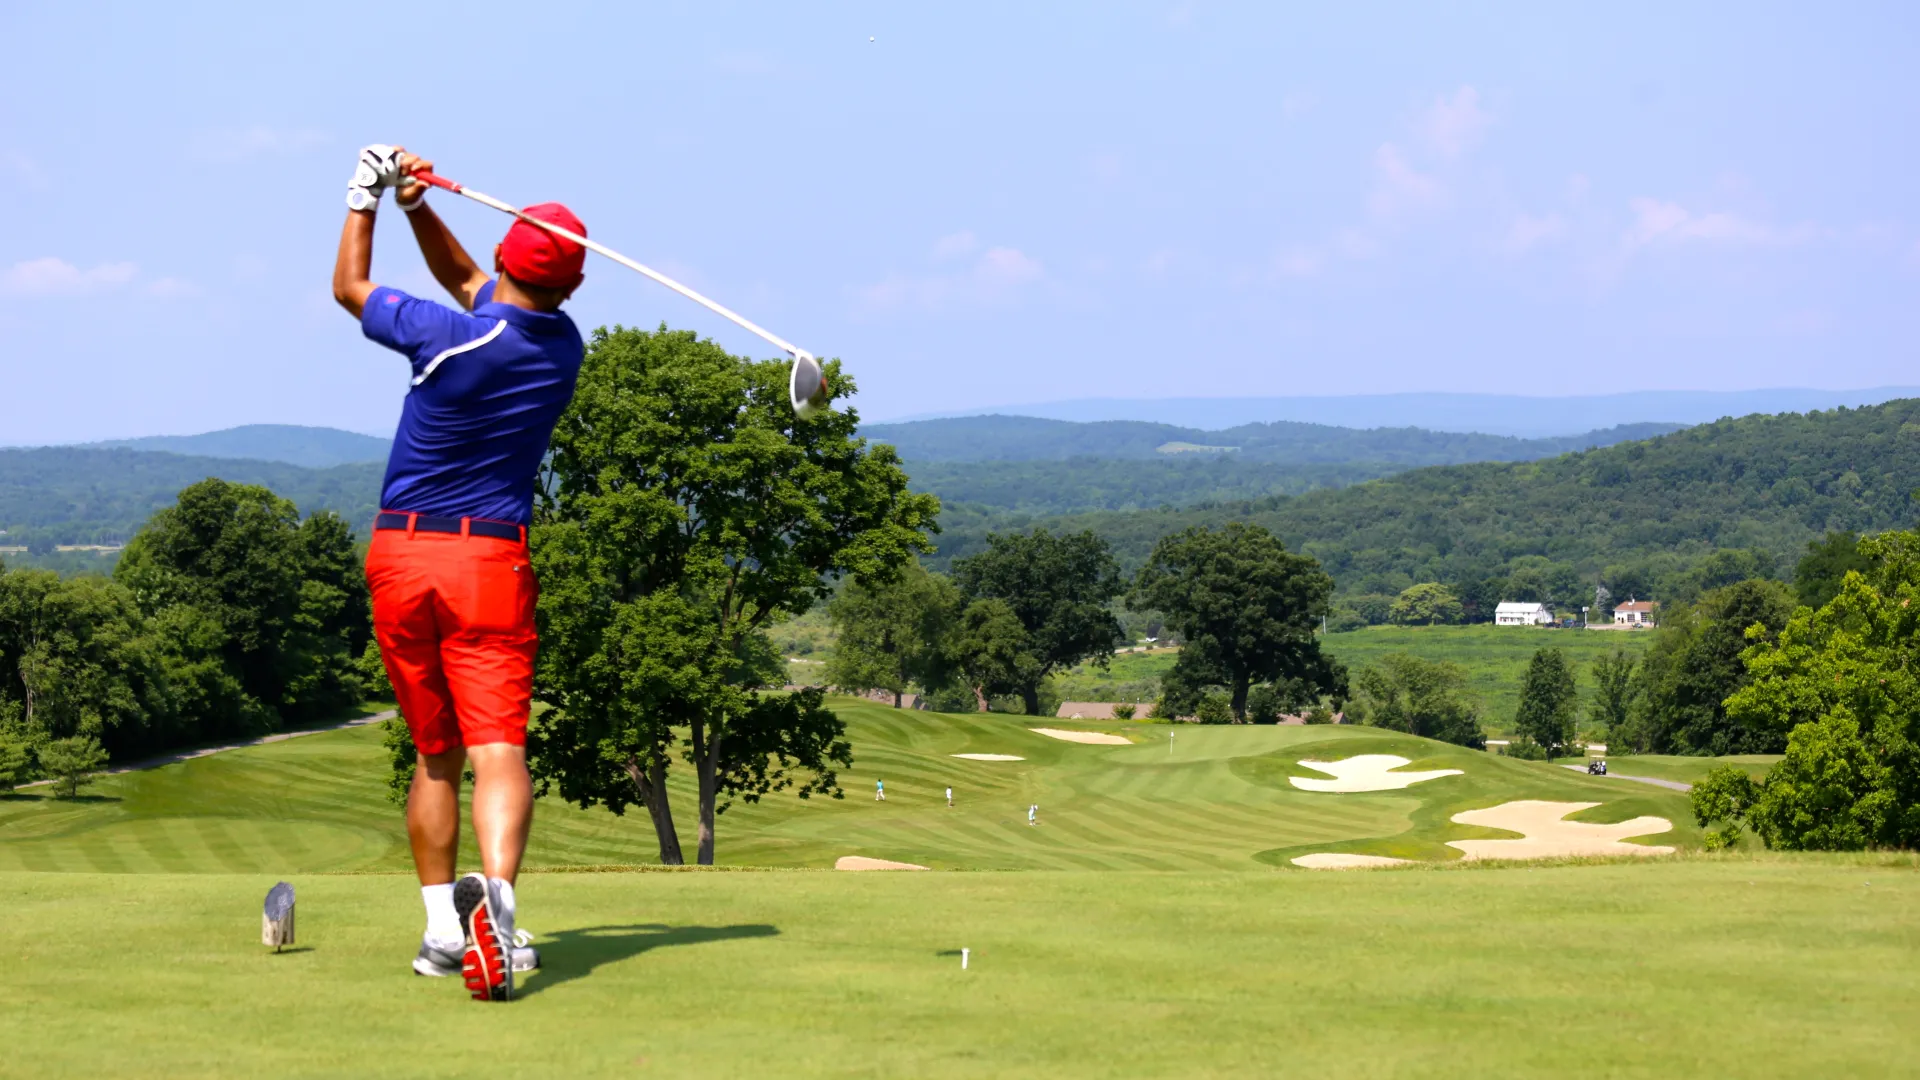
990 757
1329 860
1365 772
1099 738
861 862
1548 836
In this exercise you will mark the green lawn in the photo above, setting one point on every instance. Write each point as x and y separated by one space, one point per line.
1686 770
1154 926
1216 799
1495 659
1750 967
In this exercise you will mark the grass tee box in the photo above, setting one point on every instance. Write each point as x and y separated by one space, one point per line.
1705 966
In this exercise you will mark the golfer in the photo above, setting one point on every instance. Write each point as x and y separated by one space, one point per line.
949 798
453 589
879 791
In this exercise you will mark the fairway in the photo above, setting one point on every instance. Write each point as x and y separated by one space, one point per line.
1185 798
1700 967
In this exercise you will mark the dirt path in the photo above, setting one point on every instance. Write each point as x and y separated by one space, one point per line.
208 751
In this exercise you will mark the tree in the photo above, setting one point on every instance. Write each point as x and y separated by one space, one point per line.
1693 667
77 659
1427 604
1548 698
1612 690
16 764
683 509
892 636
1058 588
1420 697
1844 683
266 613
71 762
1247 607
991 651
1817 577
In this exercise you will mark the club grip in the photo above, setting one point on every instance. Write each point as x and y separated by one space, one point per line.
436 181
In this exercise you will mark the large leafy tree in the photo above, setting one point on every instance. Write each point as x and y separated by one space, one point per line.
1612 690
1841 687
1548 699
1817 577
1058 587
1427 604
1247 607
683 508
263 613
77 660
892 635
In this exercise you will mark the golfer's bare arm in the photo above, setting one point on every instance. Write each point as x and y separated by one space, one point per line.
449 263
353 264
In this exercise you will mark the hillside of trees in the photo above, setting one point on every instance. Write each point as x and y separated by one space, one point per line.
1026 438
69 495
1669 516
311 447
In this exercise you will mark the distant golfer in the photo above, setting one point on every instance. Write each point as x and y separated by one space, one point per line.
879 791
949 798
453 589
1031 812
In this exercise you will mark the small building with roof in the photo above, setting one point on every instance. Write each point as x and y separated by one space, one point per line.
1512 613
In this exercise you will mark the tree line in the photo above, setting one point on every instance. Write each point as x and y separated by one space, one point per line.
1035 603
227 616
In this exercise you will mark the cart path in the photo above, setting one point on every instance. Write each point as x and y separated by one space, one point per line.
1672 784
208 751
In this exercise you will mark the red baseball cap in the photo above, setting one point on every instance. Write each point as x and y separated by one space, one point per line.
538 257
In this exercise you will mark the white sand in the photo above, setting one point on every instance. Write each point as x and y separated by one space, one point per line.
1328 860
1548 836
1366 772
861 862
989 757
1099 738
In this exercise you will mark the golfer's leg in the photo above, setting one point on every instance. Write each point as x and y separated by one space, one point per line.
502 807
433 815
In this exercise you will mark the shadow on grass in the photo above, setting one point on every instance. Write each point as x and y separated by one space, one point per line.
572 954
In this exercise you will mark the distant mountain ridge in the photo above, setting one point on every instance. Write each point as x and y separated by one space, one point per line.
1494 414
292 444
1027 438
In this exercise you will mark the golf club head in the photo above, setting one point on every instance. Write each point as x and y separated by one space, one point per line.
807 386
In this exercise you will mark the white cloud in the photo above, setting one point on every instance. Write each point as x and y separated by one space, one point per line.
259 140
1659 223
1297 262
1398 186
999 275
955 245
53 276
1454 124
1528 232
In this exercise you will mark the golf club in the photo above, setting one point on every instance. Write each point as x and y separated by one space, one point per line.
806 384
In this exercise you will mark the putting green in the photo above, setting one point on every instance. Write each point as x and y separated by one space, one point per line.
1192 798
1695 966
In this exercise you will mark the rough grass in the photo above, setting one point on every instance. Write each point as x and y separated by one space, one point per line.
1181 798
1703 966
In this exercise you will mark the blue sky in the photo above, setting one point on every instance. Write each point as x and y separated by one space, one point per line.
985 204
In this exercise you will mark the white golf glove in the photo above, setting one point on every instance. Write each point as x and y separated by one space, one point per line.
377 170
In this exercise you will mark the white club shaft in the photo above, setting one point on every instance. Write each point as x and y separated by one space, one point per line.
711 305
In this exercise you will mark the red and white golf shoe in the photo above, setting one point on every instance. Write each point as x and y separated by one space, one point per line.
487 962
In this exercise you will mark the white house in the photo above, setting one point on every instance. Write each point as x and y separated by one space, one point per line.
1515 614
1635 613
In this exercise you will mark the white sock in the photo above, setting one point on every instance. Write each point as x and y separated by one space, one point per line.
443 923
506 897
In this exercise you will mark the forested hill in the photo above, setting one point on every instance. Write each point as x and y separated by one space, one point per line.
1644 517
68 495
312 447
1026 438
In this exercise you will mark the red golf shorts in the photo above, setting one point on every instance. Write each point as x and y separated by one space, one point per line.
454 617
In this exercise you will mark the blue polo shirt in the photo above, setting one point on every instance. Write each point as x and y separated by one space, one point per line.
488 386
